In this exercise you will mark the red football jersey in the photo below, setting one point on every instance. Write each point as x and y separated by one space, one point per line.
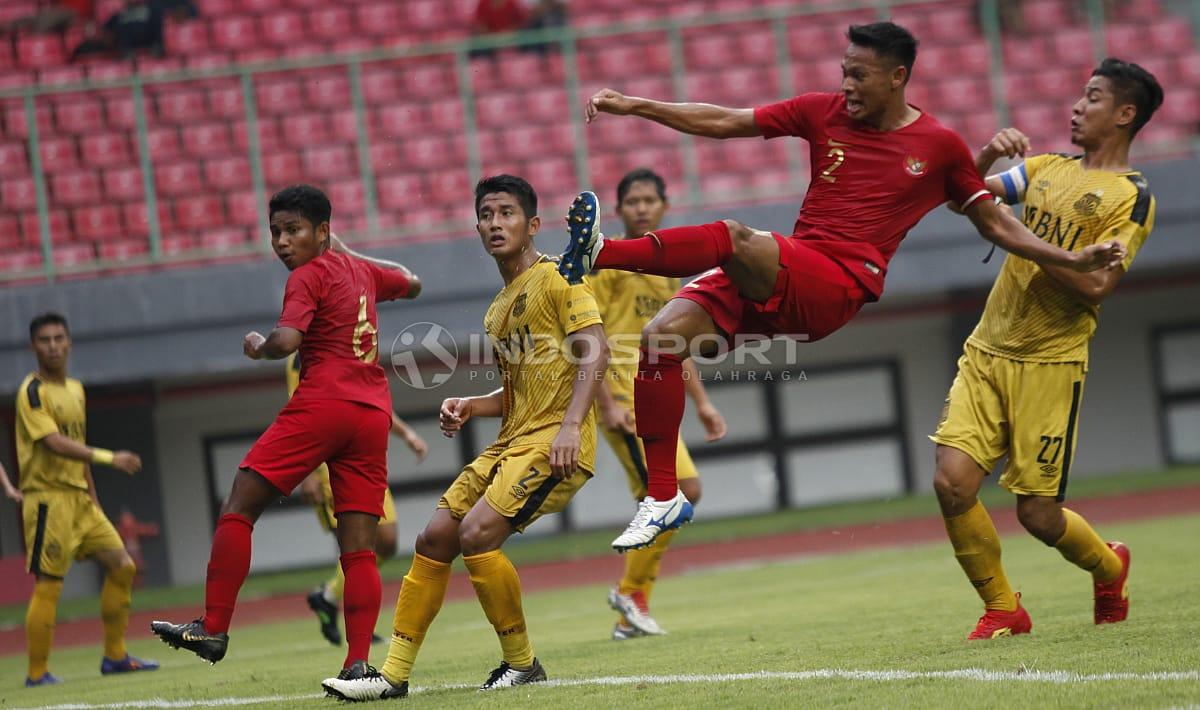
331 300
870 187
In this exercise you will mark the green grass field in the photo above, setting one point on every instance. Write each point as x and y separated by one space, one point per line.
900 610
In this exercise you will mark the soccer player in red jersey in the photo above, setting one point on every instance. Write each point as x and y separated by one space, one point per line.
878 164
340 415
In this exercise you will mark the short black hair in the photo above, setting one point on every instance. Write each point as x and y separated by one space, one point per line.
641 175
45 319
516 186
888 40
1132 84
308 201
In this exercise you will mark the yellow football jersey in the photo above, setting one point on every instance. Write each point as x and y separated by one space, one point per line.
293 373
527 323
627 302
43 408
1028 315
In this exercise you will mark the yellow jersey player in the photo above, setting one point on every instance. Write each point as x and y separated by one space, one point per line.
628 300
62 515
551 356
1020 378
316 489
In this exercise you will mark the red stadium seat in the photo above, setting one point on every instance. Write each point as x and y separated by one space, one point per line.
123 184
399 120
10 232
281 169
447 187
379 84
434 151
14 119
386 157
186 38
242 206
549 104
343 125
177 179
398 192
1170 35
305 129
59 155
199 212
963 94
333 22
12 160
226 102
429 80
426 15
18 193
328 90
227 173
1182 108
39 51
224 241
520 70
118 112
756 45
67 256
234 32
181 106
283 28
380 19
79 116
108 71
550 173
277 95
711 50
163 143
51 76
207 140
262 7
75 188
497 109
119 251
446 116
20 261
150 65
348 199
31 228
102 150
96 222
329 162
134 217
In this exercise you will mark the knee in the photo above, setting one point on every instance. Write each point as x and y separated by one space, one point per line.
476 538
955 493
385 542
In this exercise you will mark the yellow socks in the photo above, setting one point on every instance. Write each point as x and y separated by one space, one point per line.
39 625
1083 547
335 585
420 600
977 547
499 591
114 610
642 565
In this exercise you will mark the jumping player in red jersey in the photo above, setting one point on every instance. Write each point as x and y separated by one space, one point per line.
340 415
878 164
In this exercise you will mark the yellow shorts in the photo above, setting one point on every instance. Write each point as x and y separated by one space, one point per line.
62 526
324 509
515 482
1027 410
632 455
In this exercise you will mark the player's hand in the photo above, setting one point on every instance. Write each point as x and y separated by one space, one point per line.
1008 143
714 423
607 101
1107 255
311 491
417 445
454 413
14 495
127 461
616 417
252 344
564 452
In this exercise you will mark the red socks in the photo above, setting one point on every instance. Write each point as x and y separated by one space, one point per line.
228 565
360 602
658 408
677 251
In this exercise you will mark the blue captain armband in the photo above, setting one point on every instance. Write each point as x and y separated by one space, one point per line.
1015 181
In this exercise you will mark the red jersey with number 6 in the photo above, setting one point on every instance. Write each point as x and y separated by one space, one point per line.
869 187
331 301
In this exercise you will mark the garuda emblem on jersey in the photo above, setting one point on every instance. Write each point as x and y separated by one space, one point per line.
1087 204
519 305
915 166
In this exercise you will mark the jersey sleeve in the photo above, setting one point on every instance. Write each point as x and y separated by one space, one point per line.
300 298
390 284
1131 221
964 185
577 307
796 116
33 414
1016 179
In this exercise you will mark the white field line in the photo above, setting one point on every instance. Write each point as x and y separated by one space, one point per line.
969 674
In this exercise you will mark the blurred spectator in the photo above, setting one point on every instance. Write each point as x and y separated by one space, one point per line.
136 27
177 9
56 16
497 16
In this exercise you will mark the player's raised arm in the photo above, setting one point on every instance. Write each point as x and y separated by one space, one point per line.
698 119
414 283
998 225
589 346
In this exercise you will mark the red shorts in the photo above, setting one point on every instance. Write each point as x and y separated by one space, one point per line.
350 437
814 296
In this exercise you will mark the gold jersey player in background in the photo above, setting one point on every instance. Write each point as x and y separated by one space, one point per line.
316 489
63 518
551 355
627 302
1020 378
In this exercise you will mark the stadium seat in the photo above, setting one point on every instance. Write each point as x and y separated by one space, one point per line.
198 212
177 179
226 102
227 173
118 112
15 123
10 232
446 116
380 19
78 115
397 192
708 50
67 256
39 51
386 157
186 38
59 155
119 251
181 106
163 143
176 244
31 228
303 129
122 184
330 22
328 90
50 76
1170 35
343 125
20 261
17 193
548 173
236 31
207 140
134 217
497 109
756 45
74 188
447 187
277 95
101 150
379 85
223 241
96 222
519 70
429 80
435 151
282 28
329 162
282 169
398 120
12 160
347 197
242 207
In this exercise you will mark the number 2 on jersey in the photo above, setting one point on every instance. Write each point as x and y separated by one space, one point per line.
839 157
364 329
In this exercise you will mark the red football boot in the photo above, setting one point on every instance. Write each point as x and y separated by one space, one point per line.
994 624
1112 598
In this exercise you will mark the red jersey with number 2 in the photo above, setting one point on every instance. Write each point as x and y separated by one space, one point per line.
870 187
331 300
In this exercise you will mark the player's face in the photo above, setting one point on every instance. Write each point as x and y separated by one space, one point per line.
641 209
503 226
295 240
1097 114
868 83
52 345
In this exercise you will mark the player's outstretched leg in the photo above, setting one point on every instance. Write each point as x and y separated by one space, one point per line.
676 251
193 637
631 598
